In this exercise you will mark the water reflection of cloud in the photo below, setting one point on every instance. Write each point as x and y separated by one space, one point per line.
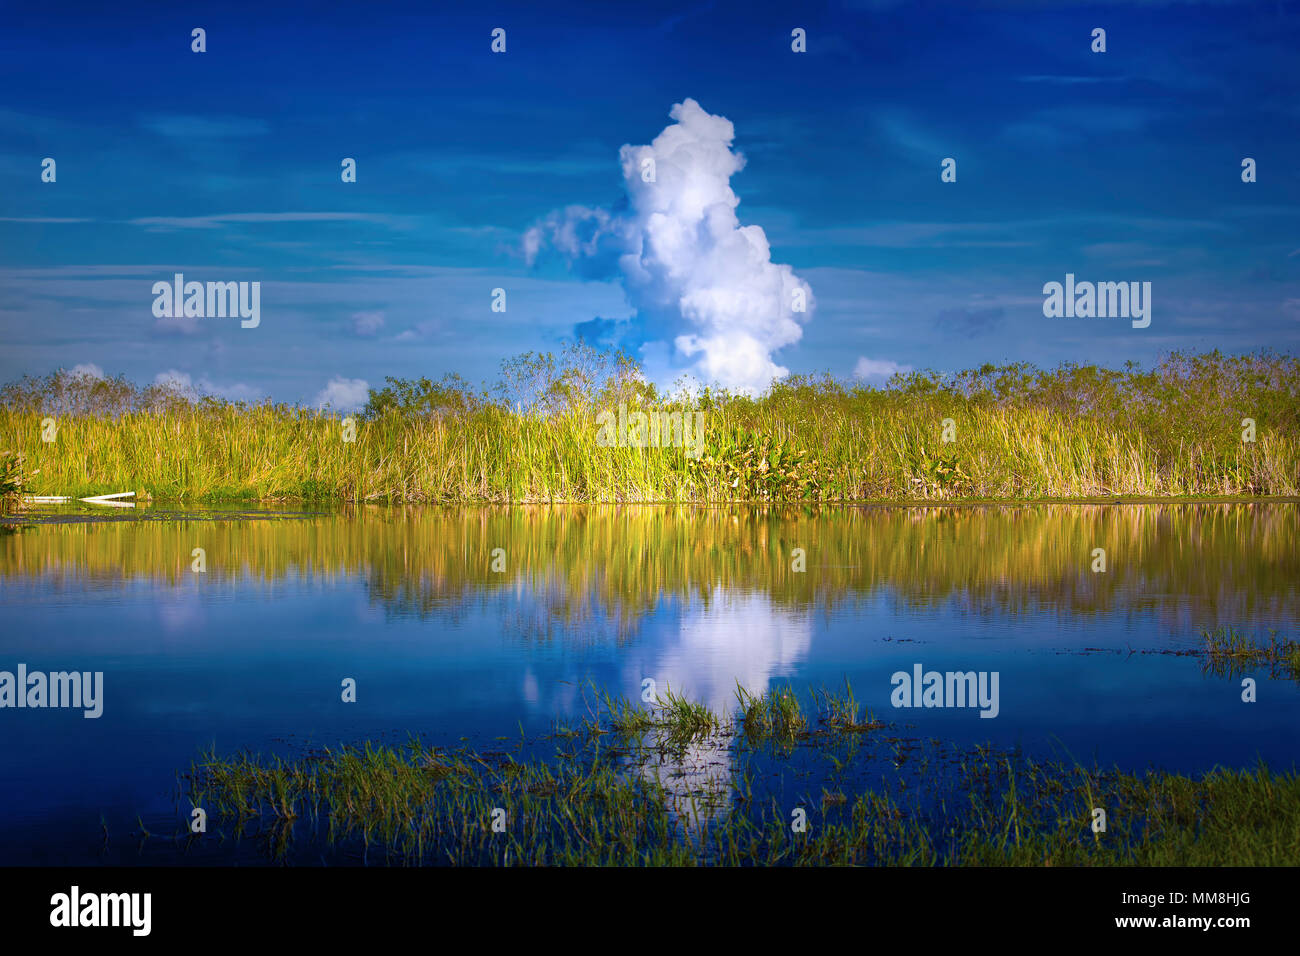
179 612
734 636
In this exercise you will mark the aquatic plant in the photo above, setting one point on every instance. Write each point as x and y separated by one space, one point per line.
1230 651
1177 429
593 804
685 720
12 478
842 713
772 716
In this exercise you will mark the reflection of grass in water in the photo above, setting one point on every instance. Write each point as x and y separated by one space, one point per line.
593 803
1230 652
586 561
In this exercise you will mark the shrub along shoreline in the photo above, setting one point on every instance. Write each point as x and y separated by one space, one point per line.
1192 426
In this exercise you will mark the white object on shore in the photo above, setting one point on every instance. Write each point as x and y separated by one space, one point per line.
106 500
98 499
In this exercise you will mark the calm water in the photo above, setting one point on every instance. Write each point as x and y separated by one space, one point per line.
251 654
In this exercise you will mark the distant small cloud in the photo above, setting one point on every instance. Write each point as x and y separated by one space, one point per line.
174 379
367 324
177 325
422 330
878 370
184 383
969 321
344 394
89 369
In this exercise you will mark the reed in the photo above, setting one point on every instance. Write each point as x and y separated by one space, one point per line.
11 481
1075 432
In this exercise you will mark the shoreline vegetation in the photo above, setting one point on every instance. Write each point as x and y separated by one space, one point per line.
1192 426
676 784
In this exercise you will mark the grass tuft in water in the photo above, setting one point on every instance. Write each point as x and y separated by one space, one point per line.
685 720
593 804
773 716
1229 651
841 712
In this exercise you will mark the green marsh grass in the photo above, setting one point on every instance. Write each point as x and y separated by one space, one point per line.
685 721
841 712
1074 432
1230 651
625 718
773 716
595 804
13 476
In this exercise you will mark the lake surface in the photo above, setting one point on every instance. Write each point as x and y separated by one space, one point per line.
251 653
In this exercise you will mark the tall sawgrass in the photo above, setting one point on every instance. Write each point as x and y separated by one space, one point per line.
12 478
1020 433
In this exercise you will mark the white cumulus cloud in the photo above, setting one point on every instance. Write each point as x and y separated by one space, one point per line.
698 278
877 370
180 381
88 369
343 394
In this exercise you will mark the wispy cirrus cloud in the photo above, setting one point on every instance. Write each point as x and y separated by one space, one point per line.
43 219
1010 233
224 219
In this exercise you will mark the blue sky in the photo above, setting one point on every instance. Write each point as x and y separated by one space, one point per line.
225 165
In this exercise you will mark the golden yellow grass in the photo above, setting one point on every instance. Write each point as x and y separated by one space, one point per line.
1017 434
